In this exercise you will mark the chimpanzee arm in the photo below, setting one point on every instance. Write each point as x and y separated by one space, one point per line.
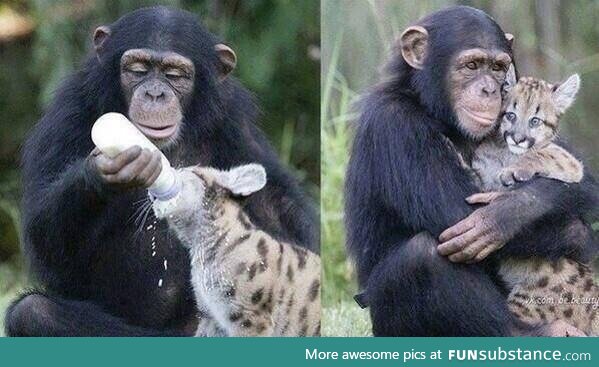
403 178
521 218
62 195
413 167
555 226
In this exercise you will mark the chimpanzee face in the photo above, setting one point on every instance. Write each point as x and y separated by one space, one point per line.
157 86
472 77
475 80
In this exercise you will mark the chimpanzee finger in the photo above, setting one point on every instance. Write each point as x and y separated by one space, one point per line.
131 171
154 176
458 243
110 178
483 254
149 174
109 166
469 252
457 229
95 152
482 197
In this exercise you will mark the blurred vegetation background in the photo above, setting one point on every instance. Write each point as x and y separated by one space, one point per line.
277 44
553 39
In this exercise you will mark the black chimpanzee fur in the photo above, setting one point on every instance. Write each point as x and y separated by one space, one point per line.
405 186
86 245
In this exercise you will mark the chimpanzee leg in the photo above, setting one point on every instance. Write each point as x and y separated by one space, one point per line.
417 292
39 314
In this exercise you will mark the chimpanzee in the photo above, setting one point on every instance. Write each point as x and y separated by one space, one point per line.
422 252
103 265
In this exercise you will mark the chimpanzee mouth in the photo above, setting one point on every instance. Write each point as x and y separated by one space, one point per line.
482 118
158 132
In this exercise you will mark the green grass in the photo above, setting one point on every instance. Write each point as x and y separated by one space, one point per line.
12 278
341 316
345 319
12 281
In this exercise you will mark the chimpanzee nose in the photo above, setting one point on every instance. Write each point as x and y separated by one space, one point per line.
489 89
488 86
154 94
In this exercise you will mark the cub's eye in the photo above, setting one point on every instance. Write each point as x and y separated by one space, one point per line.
471 65
534 122
510 116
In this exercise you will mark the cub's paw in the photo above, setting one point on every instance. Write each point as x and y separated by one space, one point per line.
522 175
507 177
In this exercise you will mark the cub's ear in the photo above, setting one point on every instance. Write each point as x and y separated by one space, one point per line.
510 80
414 44
243 180
565 93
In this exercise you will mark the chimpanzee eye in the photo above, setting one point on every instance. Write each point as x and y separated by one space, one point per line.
497 67
534 122
471 65
510 116
173 76
139 72
138 69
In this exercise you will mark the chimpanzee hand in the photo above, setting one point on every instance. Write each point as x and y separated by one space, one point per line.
487 229
134 167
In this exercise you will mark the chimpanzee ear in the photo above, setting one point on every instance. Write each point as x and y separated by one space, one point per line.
414 43
510 39
101 34
228 59
565 93
510 80
243 180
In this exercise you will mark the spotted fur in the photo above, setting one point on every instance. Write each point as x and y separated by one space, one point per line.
543 291
246 282
523 145
540 291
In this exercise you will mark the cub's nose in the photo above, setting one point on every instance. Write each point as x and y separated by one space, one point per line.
518 138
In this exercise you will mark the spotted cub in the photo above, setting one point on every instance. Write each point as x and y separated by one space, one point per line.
541 291
246 282
523 145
